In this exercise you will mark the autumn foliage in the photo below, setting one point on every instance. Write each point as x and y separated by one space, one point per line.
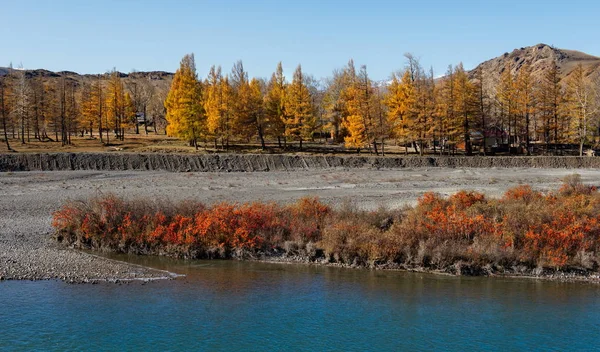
525 228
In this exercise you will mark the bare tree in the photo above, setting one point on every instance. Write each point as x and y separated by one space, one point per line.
5 110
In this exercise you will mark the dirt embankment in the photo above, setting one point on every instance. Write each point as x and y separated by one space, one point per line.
253 162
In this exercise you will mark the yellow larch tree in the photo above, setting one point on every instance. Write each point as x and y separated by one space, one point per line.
400 101
214 106
241 103
445 111
97 104
257 101
333 101
88 107
185 114
465 106
358 105
115 105
275 104
299 119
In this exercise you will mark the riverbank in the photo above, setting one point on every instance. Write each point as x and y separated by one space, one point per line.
120 161
27 200
524 232
457 270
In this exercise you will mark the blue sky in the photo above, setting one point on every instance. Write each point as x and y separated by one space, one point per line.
95 36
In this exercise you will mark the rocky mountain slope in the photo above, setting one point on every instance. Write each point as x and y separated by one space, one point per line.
539 57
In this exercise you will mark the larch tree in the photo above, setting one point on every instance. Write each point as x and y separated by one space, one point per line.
241 102
213 105
482 105
379 114
275 104
401 102
185 114
524 101
97 102
256 101
88 108
147 94
422 127
550 104
465 105
5 107
581 105
359 119
333 102
352 120
299 119
22 96
115 104
37 100
506 97
130 115
446 110
226 100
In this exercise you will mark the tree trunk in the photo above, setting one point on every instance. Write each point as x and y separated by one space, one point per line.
262 138
527 133
145 121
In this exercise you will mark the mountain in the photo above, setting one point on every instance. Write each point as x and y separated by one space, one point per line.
159 80
539 57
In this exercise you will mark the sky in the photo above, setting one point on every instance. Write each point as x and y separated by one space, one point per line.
88 36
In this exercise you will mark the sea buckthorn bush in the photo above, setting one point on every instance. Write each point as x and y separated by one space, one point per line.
524 227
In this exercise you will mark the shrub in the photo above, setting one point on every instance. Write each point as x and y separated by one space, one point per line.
523 227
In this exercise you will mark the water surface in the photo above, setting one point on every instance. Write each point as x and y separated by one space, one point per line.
244 306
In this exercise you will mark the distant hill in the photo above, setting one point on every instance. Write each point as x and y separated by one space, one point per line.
539 57
155 83
152 75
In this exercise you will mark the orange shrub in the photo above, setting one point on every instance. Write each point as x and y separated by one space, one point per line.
522 193
523 227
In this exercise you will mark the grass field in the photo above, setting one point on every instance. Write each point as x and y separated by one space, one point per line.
160 143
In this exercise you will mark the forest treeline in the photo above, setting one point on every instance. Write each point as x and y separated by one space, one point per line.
467 231
458 111
53 109
412 108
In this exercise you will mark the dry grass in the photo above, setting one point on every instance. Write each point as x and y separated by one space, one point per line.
160 143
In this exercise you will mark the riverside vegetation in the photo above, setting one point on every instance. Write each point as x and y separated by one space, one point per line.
523 232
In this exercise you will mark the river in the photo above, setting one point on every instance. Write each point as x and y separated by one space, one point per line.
249 306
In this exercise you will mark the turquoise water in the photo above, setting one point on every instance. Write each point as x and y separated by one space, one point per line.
242 306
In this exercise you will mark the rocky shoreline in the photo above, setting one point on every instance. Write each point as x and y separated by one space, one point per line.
27 261
458 269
